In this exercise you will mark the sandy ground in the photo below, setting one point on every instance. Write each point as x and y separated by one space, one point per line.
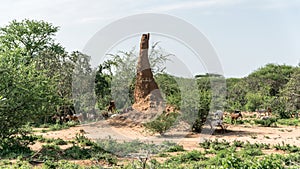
253 134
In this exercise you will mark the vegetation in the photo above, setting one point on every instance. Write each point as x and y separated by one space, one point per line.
162 123
38 78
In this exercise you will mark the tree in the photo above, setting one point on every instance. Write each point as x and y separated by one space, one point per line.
26 93
170 88
290 94
36 43
33 37
236 94
115 77
83 84
270 78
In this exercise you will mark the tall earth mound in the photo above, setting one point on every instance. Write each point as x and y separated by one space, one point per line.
146 94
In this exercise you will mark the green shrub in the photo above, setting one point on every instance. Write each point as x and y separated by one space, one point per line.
269 162
187 157
250 152
77 153
61 165
83 140
134 146
289 122
287 147
14 147
50 152
206 144
232 161
267 122
57 141
238 143
162 123
109 158
18 165
175 148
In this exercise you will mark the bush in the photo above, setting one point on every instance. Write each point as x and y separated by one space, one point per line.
82 140
162 123
250 152
289 122
267 122
77 153
175 148
12 148
269 162
232 161
18 165
58 126
287 147
188 157
238 143
109 158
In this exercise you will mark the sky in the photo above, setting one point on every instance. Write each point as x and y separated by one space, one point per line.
246 34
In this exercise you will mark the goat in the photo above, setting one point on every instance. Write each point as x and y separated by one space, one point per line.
265 118
79 116
56 118
72 118
217 121
111 107
235 116
264 112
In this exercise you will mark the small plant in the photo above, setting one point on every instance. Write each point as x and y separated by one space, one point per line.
206 144
266 122
109 158
162 123
289 122
267 137
287 147
163 155
49 152
175 148
238 143
246 152
232 161
253 136
14 147
188 157
76 152
82 140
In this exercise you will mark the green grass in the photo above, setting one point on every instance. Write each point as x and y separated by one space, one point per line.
56 127
289 122
217 154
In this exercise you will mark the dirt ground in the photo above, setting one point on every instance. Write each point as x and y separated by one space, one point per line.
253 134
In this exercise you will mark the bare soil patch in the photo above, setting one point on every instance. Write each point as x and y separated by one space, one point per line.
253 134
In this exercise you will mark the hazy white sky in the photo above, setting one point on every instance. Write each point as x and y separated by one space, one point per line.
246 34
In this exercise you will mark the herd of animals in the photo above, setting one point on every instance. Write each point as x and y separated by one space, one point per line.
67 113
215 120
